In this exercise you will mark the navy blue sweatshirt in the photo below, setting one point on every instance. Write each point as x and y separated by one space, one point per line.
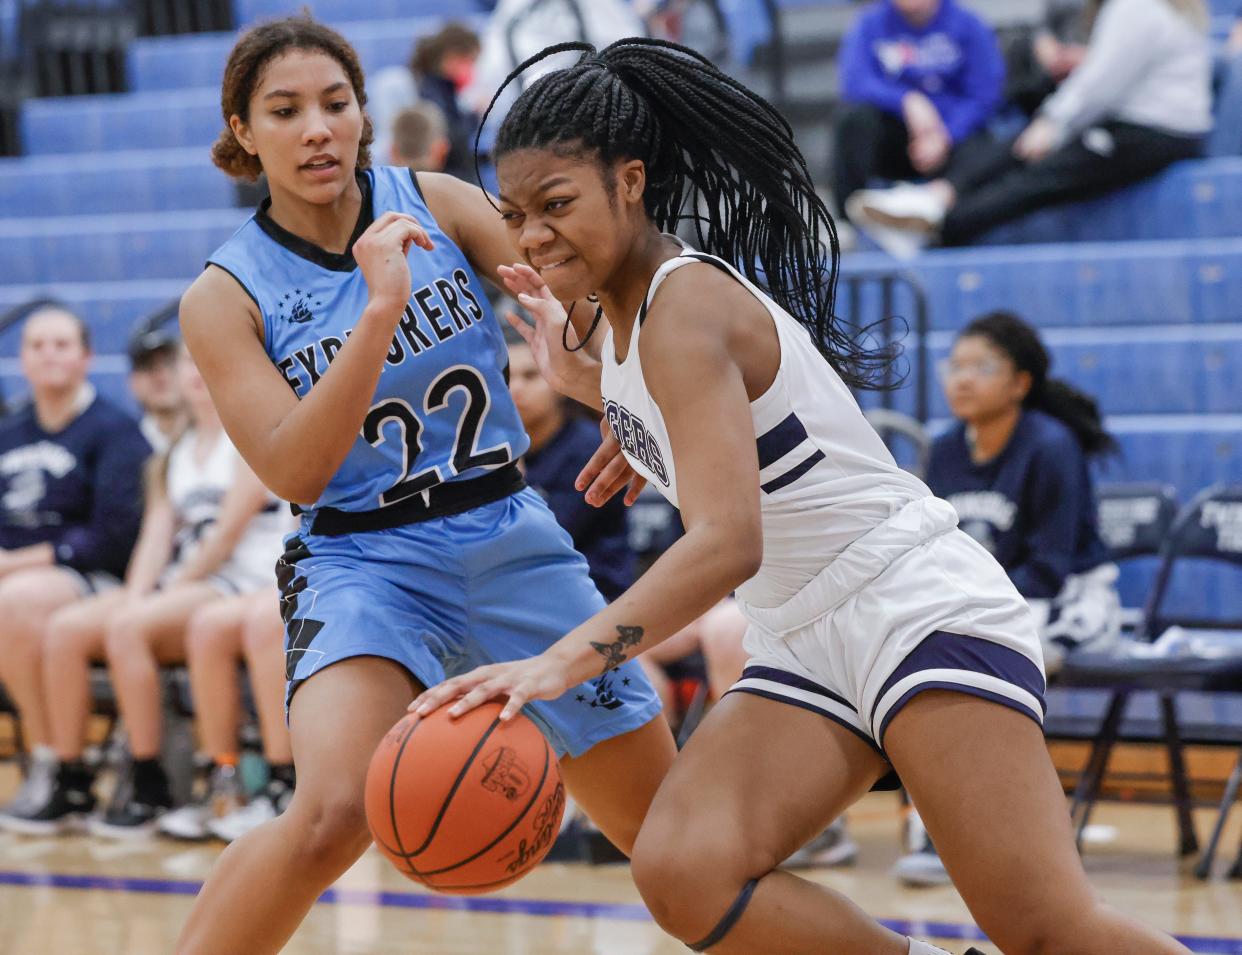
954 60
79 489
1032 505
599 533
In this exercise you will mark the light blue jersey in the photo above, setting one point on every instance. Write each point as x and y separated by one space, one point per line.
441 410
464 580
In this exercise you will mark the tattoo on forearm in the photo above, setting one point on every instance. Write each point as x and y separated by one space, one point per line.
614 653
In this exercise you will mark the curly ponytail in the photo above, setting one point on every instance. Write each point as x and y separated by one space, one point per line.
713 146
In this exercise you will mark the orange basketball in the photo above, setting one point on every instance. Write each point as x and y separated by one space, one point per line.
464 805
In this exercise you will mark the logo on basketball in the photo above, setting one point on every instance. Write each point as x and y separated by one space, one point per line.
503 773
547 825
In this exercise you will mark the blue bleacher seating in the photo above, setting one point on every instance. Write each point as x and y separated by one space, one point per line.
343 11
178 62
80 124
131 181
1079 284
110 308
1194 199
105 248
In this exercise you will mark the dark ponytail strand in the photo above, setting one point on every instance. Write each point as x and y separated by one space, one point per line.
714 147
1076 409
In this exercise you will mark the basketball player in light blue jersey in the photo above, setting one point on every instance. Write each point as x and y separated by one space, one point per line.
348 344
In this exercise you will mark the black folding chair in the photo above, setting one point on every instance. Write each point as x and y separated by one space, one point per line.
1134 521
1208 659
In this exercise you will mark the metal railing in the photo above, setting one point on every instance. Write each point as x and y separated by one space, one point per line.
891 328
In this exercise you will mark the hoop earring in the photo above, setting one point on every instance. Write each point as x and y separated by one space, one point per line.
599 314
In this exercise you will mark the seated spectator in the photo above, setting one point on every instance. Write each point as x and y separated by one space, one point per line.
560 446
443 67
220 636
920 78
210 528
70 504
518 29
440 67
1226 137
1139 101
420 138
155 386
1015 468
1039 61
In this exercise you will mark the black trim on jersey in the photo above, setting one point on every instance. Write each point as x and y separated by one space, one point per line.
792 474
642 312
234 277
333 261
443 500
418 188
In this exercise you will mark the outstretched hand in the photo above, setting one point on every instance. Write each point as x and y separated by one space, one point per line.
537 678
561 368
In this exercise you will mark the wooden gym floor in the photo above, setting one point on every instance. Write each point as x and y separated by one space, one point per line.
77 896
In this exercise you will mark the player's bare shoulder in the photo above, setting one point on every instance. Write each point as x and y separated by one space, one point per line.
216 302
704 299
702 308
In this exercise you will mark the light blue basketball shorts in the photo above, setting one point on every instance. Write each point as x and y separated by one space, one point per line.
442 596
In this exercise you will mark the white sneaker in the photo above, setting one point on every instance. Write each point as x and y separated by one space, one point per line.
264 807
239 822
832 847
36 788
188 823
920 866
906 205
221 797
889 220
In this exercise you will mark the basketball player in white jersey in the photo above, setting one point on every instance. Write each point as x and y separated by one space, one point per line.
210 528
882 639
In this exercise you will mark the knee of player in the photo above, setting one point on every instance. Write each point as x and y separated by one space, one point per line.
688 883
333 826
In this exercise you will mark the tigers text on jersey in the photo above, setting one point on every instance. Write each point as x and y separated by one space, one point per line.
825 476
441 410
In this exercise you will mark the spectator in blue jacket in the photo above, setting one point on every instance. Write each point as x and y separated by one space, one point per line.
1139 101
70 504
920 78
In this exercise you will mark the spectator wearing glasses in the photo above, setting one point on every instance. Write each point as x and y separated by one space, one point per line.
1015 469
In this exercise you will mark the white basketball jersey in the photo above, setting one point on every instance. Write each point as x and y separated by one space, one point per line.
197 490
825 476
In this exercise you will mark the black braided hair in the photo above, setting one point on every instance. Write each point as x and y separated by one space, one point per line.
709 145
1076 409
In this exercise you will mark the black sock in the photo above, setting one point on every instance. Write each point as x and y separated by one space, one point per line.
150 782
282 773
74 775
